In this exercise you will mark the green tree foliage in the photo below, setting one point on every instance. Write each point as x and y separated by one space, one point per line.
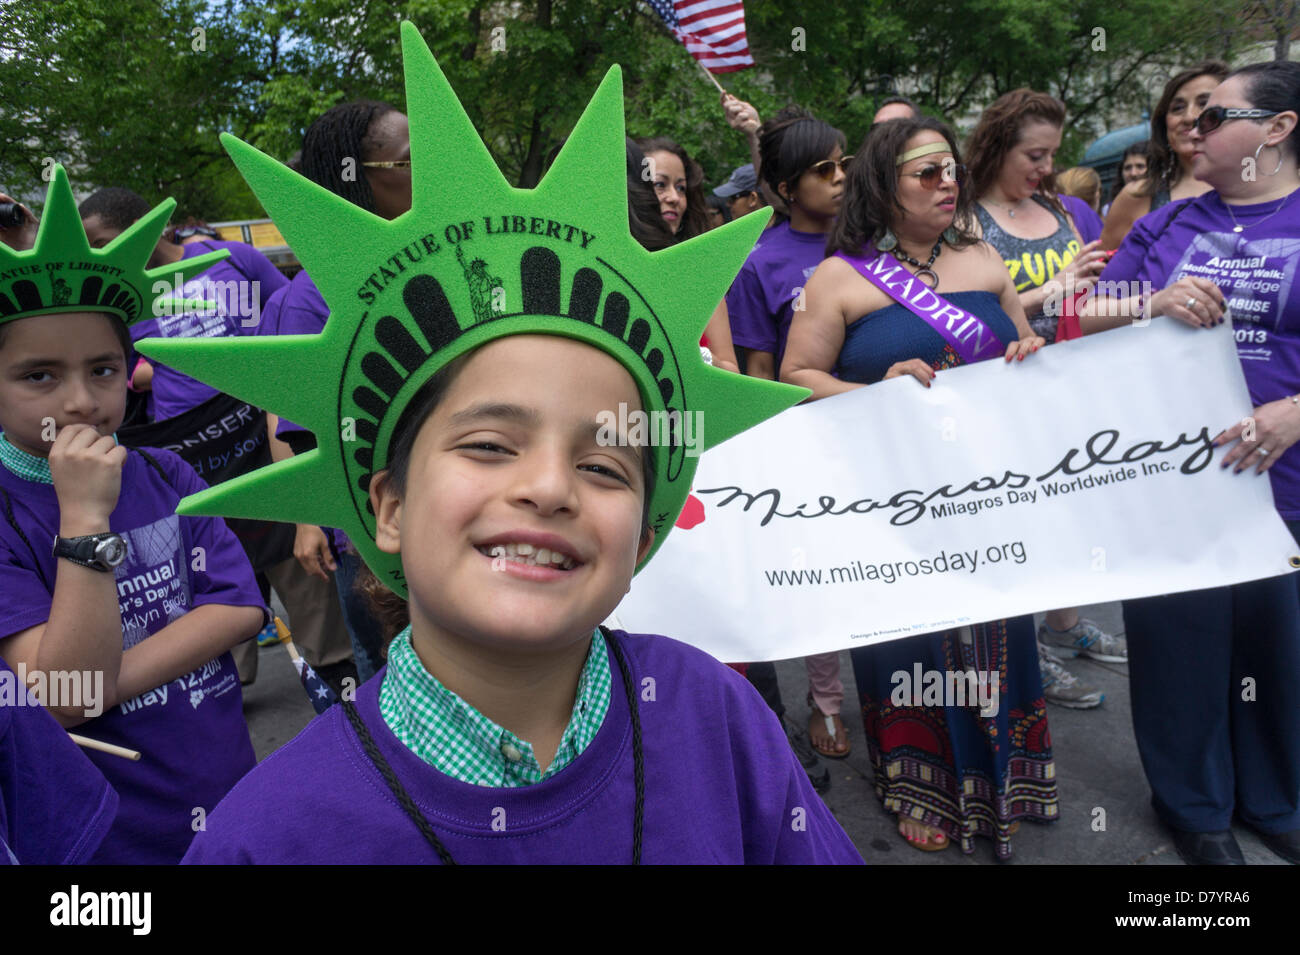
117 90
125 93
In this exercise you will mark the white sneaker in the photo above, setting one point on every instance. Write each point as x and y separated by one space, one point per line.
1087 639
1062 687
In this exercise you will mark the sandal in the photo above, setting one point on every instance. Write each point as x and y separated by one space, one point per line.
835 731
935 840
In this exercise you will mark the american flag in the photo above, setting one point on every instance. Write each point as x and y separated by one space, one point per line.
318 691
713 31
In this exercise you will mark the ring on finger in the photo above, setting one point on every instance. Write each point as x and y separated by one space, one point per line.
1264 452
1191 302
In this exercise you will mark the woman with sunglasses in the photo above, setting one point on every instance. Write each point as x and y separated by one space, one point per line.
1168 175
802 159
949 773
1216 704
1019 213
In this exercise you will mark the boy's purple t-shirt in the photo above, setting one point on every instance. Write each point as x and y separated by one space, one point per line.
721 786
229 284
190 731
55 806
1086 220
760 303
1257 272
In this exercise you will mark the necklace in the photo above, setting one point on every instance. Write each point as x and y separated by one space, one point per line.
1011 210
1238 227
924 270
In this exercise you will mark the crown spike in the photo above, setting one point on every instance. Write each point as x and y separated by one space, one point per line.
60 226
256 369
440 129
724 248
138 241
278 492
738 406
593 161
299 207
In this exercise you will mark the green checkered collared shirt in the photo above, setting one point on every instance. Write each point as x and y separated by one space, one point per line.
456 739
27 466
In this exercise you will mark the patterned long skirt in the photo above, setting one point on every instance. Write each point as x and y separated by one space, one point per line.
954 767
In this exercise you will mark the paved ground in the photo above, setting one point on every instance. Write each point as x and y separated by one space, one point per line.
1096 763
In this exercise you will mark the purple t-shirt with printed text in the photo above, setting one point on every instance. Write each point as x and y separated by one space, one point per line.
237 286
1256 270
760 303
55 805
721 786
190 730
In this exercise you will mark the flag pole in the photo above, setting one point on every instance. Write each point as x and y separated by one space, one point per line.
109 748
713 79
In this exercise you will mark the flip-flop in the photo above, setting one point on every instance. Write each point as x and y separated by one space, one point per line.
830 731
929 845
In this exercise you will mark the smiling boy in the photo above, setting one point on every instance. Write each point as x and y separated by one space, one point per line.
462 451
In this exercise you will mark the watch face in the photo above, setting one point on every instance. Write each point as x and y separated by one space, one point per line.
111 551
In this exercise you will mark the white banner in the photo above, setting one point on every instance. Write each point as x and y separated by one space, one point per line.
1081 475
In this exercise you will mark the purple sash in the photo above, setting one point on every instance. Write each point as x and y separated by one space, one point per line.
967 333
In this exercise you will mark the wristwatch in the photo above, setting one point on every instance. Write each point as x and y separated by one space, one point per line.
102 552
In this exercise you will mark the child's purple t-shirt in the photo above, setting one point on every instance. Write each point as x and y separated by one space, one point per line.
1256 271
721 786
760 303
229 284
55 806
190 731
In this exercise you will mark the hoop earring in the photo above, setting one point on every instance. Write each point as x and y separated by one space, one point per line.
1260 148
887 241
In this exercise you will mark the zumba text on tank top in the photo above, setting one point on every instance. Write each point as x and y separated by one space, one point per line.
1033 262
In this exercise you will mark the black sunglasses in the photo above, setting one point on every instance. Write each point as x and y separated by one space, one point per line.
1212 117
934 174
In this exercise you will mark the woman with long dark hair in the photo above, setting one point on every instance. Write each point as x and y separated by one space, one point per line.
679 185
650 229
1216 706
948 772
1169 152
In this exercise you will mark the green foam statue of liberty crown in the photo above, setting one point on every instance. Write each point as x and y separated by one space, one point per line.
474 260
62 273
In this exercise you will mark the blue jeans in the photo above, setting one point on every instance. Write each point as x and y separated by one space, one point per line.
363 628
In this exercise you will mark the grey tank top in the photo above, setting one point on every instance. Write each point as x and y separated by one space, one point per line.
1033 262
